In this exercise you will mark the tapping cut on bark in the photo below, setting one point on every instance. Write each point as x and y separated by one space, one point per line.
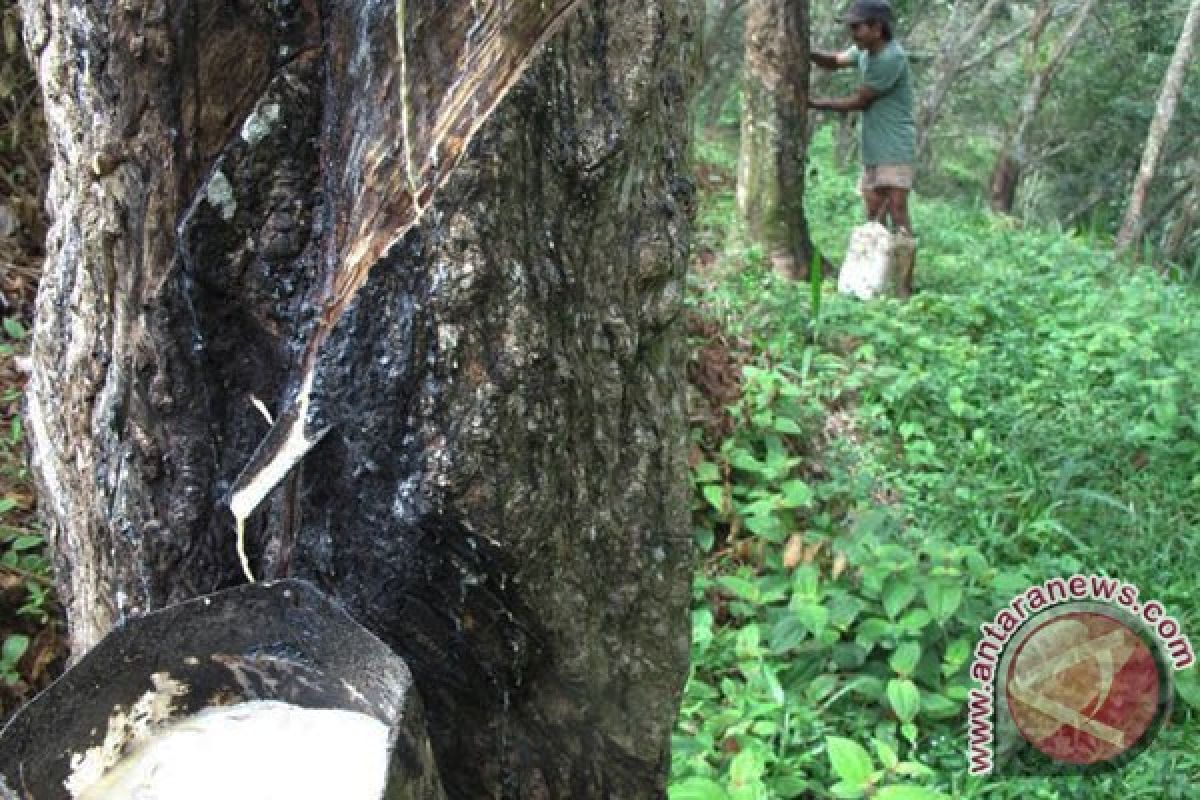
470 60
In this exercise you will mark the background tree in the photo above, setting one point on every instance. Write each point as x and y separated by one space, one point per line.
967 25
501 495
1168 98
721 56
1006 175
770 184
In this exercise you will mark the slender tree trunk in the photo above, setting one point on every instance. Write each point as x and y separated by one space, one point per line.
722 57
501 493
1006 175
717 41
1185 222
1164 112
948 68
770 192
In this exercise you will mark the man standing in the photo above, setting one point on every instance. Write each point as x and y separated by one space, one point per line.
889 129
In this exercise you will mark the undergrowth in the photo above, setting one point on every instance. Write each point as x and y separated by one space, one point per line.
896 472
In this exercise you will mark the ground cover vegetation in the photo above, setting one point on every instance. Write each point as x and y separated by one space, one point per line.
872 481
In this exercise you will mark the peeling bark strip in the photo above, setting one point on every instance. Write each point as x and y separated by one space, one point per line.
503 499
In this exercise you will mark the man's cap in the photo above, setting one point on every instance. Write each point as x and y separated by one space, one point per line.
868 11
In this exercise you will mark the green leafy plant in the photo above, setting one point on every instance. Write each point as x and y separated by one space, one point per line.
11 652
898 472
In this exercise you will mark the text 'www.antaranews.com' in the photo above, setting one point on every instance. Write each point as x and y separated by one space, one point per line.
1040 688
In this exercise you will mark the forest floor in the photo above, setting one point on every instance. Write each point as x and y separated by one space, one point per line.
886 476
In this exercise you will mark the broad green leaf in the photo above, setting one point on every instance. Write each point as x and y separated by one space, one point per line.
1187 683
806 584
957 654
790 786
844 608
887 756
14 328
773 686
907 792
943 600
744 460
844 790
915 621
702 627
820 687
706 472
747 767
905 659
767 526
898 592
914 769
813 616
904 698
850 761
14 647
739 587
697 788
27 542
796 494
789 426
938 706
871 631
748 642
787 632
714 493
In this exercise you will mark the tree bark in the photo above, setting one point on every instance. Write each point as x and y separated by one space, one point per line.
501 495
1164 112
1006 175
770 191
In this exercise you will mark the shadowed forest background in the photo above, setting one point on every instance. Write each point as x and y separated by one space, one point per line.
870 481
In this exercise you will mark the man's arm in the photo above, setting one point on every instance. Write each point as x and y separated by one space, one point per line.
831 60
858 101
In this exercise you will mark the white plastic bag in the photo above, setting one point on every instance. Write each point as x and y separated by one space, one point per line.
867 268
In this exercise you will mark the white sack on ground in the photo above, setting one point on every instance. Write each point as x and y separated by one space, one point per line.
865 272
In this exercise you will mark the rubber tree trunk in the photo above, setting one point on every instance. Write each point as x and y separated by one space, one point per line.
771 161
1164 112
1013 156
472 246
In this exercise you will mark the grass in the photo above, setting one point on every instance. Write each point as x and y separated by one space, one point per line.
897 472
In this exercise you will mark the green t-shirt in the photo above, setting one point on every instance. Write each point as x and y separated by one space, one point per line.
889 131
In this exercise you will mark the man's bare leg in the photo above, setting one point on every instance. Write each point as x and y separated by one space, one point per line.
875 201
897 200
904 246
